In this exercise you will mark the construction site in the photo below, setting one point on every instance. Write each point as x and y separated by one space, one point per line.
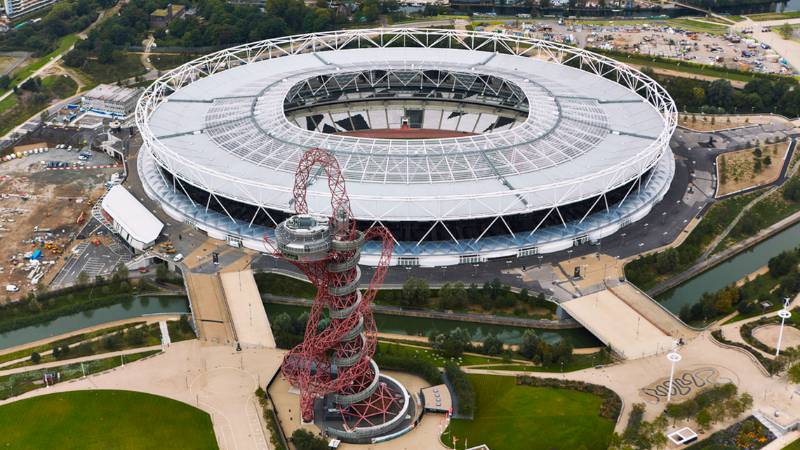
47 192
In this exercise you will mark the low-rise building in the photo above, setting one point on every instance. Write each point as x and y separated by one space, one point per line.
109 100
130 219
161 18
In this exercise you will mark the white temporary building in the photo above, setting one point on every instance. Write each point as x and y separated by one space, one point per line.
130 219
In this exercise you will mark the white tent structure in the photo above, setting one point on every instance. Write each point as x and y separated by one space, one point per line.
130 219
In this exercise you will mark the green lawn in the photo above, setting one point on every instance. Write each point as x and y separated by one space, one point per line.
511 417
579 362
680 66
65 43
775 16
104 420
128 66
394 349
793 446
697 26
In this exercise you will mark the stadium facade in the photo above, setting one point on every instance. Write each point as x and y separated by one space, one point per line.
466 145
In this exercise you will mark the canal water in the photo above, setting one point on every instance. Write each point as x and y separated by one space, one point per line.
730 271
418 326
128 308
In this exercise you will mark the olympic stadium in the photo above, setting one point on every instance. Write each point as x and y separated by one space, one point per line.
465 145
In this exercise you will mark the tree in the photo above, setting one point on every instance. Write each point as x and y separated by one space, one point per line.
704 419
720 93
5 82
786 31
794 374
492 345
120 272
106 53
83 278
416 292
452 344
306 440
791 191
36 357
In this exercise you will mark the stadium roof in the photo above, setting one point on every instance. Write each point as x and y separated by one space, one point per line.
585 135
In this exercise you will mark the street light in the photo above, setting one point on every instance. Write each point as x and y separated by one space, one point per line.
674 357
783 314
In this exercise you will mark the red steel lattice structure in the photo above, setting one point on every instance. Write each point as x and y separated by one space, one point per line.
335 359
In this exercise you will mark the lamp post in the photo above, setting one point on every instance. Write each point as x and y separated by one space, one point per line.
783 314
673 357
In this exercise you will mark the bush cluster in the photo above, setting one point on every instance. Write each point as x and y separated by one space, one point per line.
462 389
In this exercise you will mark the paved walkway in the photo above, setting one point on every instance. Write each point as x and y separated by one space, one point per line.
247 310
618 325
48 365
214 378
208 305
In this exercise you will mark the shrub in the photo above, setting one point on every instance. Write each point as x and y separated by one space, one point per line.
462 389
306 440
419 367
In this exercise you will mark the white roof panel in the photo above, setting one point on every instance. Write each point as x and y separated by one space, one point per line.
131 215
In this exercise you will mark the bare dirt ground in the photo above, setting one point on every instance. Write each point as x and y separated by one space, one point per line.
768 334
52 200
739 168
701 122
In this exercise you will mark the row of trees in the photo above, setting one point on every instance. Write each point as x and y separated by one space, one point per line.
454 343
456 296
779 95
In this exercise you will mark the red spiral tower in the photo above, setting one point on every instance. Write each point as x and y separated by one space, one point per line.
340 385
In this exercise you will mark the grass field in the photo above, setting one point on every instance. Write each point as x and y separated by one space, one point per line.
793 446
104 420
579 362
65 43
128 66
682 66
511 417
775 16
428 354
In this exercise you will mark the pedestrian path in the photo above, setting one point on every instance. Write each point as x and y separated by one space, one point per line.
165 339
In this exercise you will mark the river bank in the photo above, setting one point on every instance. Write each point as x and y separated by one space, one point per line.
728 266
422 327
433 314
132 307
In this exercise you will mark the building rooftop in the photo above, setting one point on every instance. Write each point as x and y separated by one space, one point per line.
131 215
110 92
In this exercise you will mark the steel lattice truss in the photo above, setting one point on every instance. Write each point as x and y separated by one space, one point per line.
239 127
337 359
382 84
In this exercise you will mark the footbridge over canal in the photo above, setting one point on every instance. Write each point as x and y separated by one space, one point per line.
227 307
627 321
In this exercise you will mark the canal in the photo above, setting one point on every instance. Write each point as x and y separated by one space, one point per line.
418 326
730 271
127 309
